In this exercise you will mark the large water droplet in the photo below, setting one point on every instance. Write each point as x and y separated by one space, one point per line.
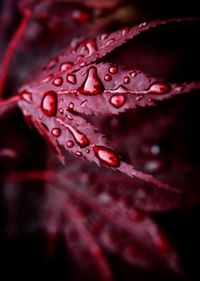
80 138
56 132
92 84
71 78
106 156
158 88
117 100
49 103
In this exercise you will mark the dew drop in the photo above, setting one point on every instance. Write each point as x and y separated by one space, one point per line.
113 69
26 96
92 84
49 103
70 143
81 16
56 132
71 105
125 31
71 78
139 97
61 110
159 88
117 101
87 151
66 66
78 153
58 81
126 80
84 103
106 156
91 47
107 77
80 138
133 74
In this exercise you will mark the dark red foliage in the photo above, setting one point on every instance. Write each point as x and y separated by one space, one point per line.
105 85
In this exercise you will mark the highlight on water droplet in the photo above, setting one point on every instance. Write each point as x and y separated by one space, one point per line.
117 100
106 156
107 77
92 84
66 66
159 88
78 153
126 80
49 103
56 132
71 105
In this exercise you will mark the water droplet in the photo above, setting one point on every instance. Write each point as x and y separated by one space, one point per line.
47 79
125 31
81 16
133 74
70 143
126 80
158 88
113 69
56 132
78 153
80 138
71 105
26 96
104 36
71 78
87 151
69 117
61 110
139 97
49 103
66 66
107 77
58 81
91 47
117 101
82 64
92 84
84 103
106 156
52 63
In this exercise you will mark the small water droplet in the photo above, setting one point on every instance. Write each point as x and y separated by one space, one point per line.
159 88
106 156
107 77
49 103
70 143
66 66
104 36
87 151
79 137
133 74
113 69
126 80
92 84
61 110
91 46
125 30
81 16
71 78
82 64
58 81
78 153
47 79
71 105
56 132
69 117
117 101
84 103
26 96
139 97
